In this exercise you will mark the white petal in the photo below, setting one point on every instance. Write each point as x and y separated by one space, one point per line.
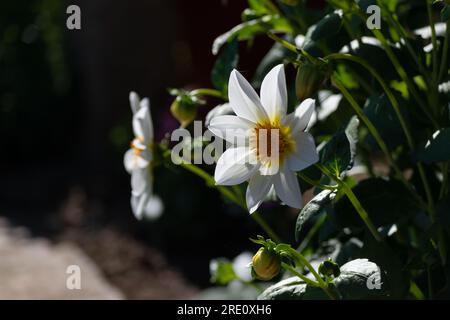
305 153
142 124
129 161
243 98
274 92
231 128
220 110
235 166
140 181
153 208
257 191
134 102
287 188
299 119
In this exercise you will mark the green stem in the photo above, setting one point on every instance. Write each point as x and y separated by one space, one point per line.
401 31
373 131
402 73
209 92
283 42
361 211
415 291
433 41
298 274
315 183
232 197
387 90
395 105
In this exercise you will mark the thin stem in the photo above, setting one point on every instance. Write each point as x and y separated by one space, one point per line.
315 183
298 274
361 211
402 73
415 291
376 135
265 226
230 196
387 90
433 40
401 31
283 42
209 92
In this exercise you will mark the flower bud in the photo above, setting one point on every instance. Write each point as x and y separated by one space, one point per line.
310 78
184 109
329 268
266 264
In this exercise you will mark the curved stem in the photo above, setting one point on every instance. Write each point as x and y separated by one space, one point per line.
361 211
283 42
209 92
232 197
316 183
298 274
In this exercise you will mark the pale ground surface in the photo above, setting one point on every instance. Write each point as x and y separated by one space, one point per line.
36 269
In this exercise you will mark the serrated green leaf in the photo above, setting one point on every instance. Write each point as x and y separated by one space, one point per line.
339 153
225 63
317 206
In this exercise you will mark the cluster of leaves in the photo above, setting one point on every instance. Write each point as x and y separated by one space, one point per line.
387 144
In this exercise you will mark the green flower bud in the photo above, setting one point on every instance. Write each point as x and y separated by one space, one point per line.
184 109
266 264
329 268
310 78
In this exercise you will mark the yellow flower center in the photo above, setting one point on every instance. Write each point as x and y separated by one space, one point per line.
137 146
273 140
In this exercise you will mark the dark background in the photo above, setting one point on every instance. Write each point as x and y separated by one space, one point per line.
65 123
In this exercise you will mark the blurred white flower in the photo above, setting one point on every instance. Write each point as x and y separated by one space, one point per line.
241 266
258 121
137 161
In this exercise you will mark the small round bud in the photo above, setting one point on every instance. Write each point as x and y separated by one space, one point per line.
309 80
184 109
266 264
329 268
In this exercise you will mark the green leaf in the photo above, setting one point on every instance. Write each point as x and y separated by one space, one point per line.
292 289
225 63
222 271
437 148
320 204
445 13
327 27
249 29
276 55
380 112
339 153
359 279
